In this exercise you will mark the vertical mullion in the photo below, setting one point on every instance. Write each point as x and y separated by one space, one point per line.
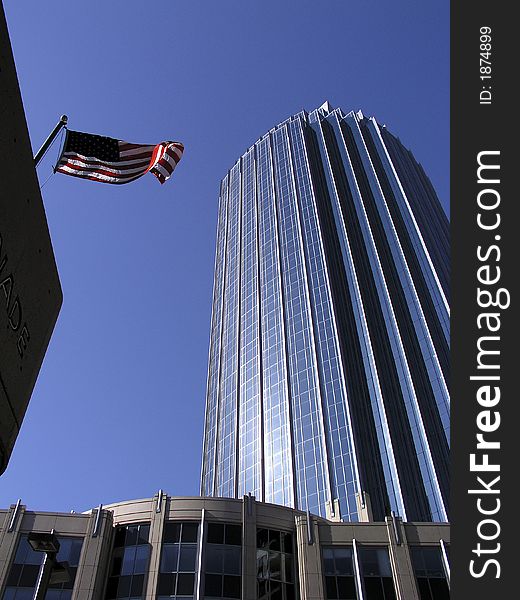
288 394
312 328
238 326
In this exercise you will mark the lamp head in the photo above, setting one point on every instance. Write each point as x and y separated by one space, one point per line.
43 542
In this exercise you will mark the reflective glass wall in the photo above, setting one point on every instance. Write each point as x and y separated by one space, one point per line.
328 366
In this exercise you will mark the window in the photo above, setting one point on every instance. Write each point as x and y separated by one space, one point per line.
338 570
376 573
129 566
275 567
178 561
23 574
222 561
429 573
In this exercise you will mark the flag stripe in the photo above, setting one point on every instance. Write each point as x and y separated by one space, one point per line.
125 147
86 167
138 151
160 169
97 176
105 172
90 160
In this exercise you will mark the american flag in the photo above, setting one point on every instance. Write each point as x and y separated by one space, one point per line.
109 160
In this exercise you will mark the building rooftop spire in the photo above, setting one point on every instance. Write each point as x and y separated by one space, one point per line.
325 108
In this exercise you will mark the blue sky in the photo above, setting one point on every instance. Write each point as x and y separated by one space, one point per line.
122 387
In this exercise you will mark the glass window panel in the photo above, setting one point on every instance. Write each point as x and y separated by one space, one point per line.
424 589
388 586
26 555
120 537
144 534
29 575
214 559
369 561
261 587
231 586
233 535
123 587
343 561
289 592
185 583
24 594
171 533
383 560
75 552
68 585
188 557
274 540
215 533
262 538
21 551
112 588
375 562
288 568
330 587
439 589
276 590
433 562
373 588
169 558
14 574
141 559
418 561
131 535
287 544
213 586
347 588
328 561
232 561
64 551
189 532
127 567
136 589
166 583
275 566
262 563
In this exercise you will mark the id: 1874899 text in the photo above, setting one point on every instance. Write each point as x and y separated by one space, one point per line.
485 65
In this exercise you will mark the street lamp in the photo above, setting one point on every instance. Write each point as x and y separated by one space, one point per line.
51 571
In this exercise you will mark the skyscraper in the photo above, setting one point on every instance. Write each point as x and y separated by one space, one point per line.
329 354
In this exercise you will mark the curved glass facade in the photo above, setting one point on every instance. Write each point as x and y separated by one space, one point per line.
329 355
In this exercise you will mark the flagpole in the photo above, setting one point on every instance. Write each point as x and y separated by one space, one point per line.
39 155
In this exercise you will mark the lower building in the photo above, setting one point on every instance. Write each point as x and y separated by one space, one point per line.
169 547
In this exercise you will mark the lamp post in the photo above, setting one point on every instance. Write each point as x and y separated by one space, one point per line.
51 571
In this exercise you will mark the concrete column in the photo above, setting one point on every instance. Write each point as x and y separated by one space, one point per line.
404 578
9 530
248 547
333 510
94 558
364 508
310 573
158 511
